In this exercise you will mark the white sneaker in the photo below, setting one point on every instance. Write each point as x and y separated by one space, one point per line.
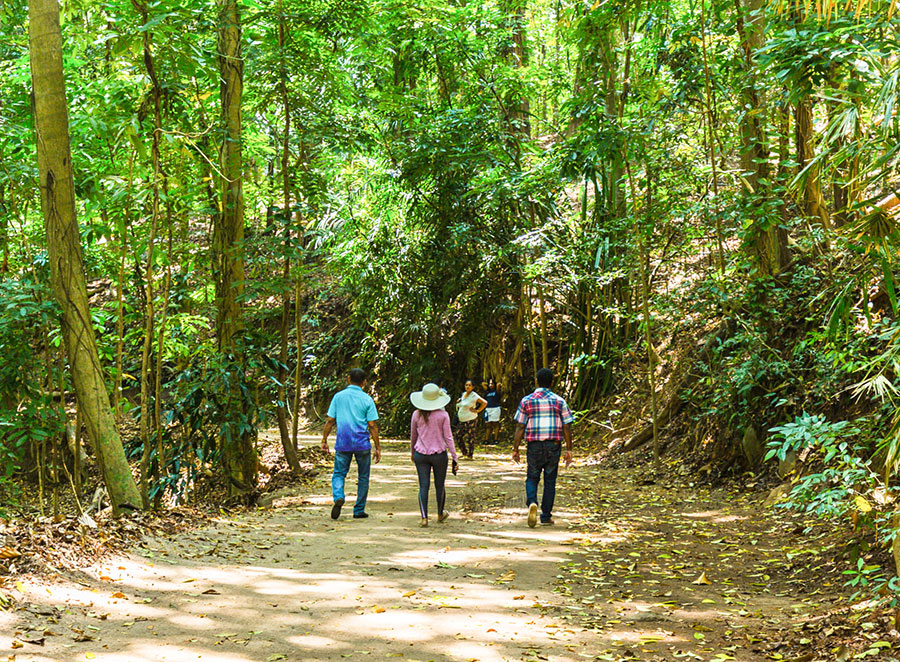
532 515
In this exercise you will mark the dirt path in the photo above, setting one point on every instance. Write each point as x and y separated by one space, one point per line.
630 571
291 584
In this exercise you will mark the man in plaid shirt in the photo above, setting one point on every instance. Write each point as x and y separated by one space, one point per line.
543 419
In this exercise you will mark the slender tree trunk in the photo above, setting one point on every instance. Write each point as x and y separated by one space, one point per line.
4 229
812 199
545 352
150 312
120 293
298 348
615 185
162 462
644 258
711 125
290 451
64 243
228 235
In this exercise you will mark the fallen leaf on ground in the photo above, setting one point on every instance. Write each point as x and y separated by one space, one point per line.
702 579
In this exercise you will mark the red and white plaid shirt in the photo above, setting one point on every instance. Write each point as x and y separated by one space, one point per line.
543 413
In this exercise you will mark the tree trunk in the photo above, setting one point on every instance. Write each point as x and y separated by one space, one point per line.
290 452
228 234
120 290
812 199
711 126
149 310
768 241
64 244
545 351
643 260
519 109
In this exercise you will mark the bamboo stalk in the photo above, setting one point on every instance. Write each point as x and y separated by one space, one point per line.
710 121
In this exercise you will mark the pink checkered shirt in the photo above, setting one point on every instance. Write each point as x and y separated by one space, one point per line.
543 413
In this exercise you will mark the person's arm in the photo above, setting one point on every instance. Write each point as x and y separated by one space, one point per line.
480 405
413 436
521 418
373 434
567 435
448 437
329 425
567 419
517 439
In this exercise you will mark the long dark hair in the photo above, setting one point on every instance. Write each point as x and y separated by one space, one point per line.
425 413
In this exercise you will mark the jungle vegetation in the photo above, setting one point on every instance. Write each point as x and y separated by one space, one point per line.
209 211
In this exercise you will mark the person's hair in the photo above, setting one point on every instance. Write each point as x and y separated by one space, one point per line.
545 377
424 414
357 376
469 381
493 381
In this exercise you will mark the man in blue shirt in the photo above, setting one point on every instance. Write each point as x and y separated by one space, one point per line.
354 413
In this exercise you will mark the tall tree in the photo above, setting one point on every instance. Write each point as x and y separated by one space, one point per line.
54 161
228 238
769 240
287 443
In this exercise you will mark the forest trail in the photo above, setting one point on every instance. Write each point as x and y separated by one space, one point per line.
291 584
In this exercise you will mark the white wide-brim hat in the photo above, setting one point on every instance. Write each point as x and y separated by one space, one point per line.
430 398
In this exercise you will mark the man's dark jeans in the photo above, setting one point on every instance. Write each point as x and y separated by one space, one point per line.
342 466
542 456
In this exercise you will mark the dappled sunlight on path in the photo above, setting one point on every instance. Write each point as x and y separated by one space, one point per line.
292 584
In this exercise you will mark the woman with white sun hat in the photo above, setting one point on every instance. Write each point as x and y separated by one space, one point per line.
429 440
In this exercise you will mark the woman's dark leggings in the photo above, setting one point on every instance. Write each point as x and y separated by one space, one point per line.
424 465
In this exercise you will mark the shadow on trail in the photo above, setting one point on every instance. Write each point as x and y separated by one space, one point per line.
292 584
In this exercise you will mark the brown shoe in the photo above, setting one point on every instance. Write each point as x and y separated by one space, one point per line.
424 522
443 516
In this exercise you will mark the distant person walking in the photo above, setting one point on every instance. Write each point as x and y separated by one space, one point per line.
469 405
429 440
544 420
492 412
354 413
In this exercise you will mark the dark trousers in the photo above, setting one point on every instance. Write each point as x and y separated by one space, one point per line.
338 478
542 456
425 464
465 437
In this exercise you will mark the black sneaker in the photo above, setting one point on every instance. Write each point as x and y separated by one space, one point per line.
360 515
336 508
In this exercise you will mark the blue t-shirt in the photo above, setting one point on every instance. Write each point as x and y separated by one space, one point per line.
352 409
493 398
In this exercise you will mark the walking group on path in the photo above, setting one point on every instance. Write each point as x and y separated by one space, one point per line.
543 421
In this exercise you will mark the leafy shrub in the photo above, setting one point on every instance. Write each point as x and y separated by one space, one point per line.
844 474
28 414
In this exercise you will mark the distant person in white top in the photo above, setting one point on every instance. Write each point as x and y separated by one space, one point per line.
468 407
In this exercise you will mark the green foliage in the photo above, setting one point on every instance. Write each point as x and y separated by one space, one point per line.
806 432
29 417
844 474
